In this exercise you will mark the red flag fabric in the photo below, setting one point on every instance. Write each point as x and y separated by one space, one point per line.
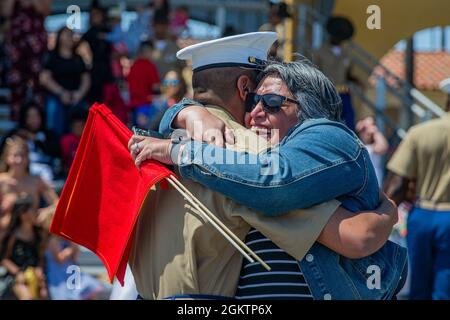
104 192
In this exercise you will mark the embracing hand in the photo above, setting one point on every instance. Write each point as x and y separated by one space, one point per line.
201 125
146 148
388 207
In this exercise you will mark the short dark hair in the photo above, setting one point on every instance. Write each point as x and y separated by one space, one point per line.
58 40
23 114
220 82
160 18
147 44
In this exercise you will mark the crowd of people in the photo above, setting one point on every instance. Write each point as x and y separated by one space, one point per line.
136 73
53 80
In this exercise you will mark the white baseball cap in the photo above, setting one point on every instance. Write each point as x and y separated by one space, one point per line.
246 50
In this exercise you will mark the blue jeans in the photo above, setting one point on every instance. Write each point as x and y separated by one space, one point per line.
58 115
428 240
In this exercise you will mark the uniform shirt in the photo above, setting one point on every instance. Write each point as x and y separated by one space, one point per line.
335 64
424 155
176 251
280 29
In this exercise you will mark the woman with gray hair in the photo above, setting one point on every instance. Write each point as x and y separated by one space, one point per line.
314 92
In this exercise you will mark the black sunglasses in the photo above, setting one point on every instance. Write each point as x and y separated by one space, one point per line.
271 102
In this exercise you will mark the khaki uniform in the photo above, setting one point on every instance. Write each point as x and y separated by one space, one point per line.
334 67
280 29
424 155
176 251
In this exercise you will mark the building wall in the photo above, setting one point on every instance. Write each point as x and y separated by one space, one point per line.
399 20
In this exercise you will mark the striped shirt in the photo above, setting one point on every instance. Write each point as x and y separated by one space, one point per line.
284 281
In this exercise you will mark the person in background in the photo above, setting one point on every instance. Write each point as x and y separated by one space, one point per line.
42 143
179 21
15 180
117 37
22 255
173 89
334 60
423 160
4 26
26 45
60 256
140 29
66 79
143 83
161 8
101 69
107 69
70 141
376 145
165 51
278 12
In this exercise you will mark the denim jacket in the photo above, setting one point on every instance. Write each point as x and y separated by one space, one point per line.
317 161
329 275
379 276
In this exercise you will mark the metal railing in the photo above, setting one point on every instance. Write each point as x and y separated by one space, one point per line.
311 32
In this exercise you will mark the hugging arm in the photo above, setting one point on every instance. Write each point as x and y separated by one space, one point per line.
396 187
198 122
357 235
181 116
310 168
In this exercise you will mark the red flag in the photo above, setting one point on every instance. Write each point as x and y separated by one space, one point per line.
104 191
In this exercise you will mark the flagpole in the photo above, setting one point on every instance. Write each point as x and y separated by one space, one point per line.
227 233
224 233
206 212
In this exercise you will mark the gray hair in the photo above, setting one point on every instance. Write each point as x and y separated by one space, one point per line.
316 93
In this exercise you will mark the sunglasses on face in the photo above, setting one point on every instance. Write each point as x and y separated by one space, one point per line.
271 102
172 83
